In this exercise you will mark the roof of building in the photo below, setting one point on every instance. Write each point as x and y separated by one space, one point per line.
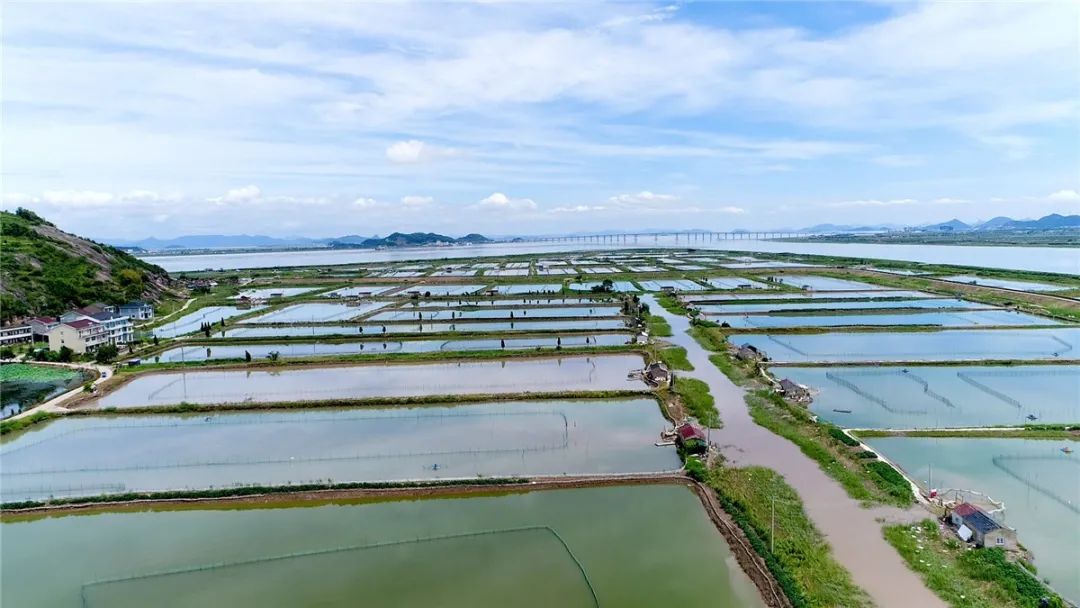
81 323
108 316
689 432
45 319
134 304
975 518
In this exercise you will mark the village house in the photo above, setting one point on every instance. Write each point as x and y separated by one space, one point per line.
795 392
15 334
137 310
41 326
657 375
748 352
80 335
975 525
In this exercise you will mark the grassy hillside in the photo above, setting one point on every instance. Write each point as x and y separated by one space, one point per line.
44 270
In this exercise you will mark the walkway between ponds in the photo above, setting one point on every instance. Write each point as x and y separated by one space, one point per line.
853 532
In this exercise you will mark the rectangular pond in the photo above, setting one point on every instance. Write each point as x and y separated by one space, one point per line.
676 284
735 283
1039 484
502 439
267 292
1019 344
1005 283
406 314
441 290
580 373
813 295
292 350
359 291
193 320
818 283
534 288
970 318
316 312
426 327
952 396
933 304
564 547
623 286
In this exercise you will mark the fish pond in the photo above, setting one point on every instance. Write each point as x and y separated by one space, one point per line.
1006 283
549 374
316 312
24 385
954 345
291 350
816 306
819 283
406 314
948 396
192 321
1037 481
967 318
426 327
156 453
810 295
531 549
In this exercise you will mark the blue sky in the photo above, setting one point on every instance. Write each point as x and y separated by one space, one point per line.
140 118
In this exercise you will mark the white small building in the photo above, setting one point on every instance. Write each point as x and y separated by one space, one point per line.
15 334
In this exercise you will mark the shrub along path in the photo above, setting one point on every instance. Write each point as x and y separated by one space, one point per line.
853 532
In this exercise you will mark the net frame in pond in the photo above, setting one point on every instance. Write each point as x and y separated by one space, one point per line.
917 355
840 378
86 589
1001 462
971 378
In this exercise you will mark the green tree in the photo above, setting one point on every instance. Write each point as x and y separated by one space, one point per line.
65 354
106 353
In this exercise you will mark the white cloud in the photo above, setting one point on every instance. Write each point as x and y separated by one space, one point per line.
244 194
365 203
77 198
874 203
644 196
577 209
951 201
732 210
500 202
1067 196
416 151
416 201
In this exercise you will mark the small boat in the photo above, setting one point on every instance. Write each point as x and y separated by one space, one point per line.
1067 450
842 411
1032 417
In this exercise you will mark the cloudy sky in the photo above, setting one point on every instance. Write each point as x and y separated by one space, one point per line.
318 119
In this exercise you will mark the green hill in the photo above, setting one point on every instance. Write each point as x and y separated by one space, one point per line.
45 271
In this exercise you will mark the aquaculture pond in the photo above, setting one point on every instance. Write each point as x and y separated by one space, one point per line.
549 374
192 321
408 328
535 549
23 385
316 312
1006 283
623 286
288 350
819 283
537 288
949 396
808 296
815 306
1018 344
78 456
358 290
436 289
735 283
676 284
940 319
266 292
407 314
1037 481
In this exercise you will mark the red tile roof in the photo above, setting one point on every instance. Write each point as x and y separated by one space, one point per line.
965 509
688 432
81 323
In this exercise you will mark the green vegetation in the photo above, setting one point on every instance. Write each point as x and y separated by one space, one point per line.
671 304
796 554
1057 432
47 271
19 372
254 490
675 358
839 435
658 326
12 426
981 578
698 401
890 481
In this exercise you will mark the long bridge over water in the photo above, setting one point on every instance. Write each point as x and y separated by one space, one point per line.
681 236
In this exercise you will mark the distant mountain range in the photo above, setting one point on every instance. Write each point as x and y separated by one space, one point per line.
247 241
1053 221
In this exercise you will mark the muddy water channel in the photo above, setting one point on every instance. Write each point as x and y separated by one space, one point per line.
79 456
923 396
538 549
290 350
1037 481
597 373
958 345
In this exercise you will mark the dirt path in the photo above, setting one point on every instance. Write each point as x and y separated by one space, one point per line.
854 533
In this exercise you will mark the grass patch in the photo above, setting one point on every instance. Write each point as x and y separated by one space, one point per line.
1049 432
658 327
698 400
981 578
671 304
801 560
14 426
675 358
889 480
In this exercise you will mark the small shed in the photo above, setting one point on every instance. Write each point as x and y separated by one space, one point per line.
747 352
974 524
793 391
657 375
691 438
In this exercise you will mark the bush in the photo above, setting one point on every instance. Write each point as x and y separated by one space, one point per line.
695 468
866 454
106 353
889 479
841 436
696 397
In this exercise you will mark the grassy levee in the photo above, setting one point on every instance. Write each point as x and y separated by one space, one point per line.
658 327
696 398
671 304
1055 432
14 426
376 357
253 490
980 578
675 358
797 554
